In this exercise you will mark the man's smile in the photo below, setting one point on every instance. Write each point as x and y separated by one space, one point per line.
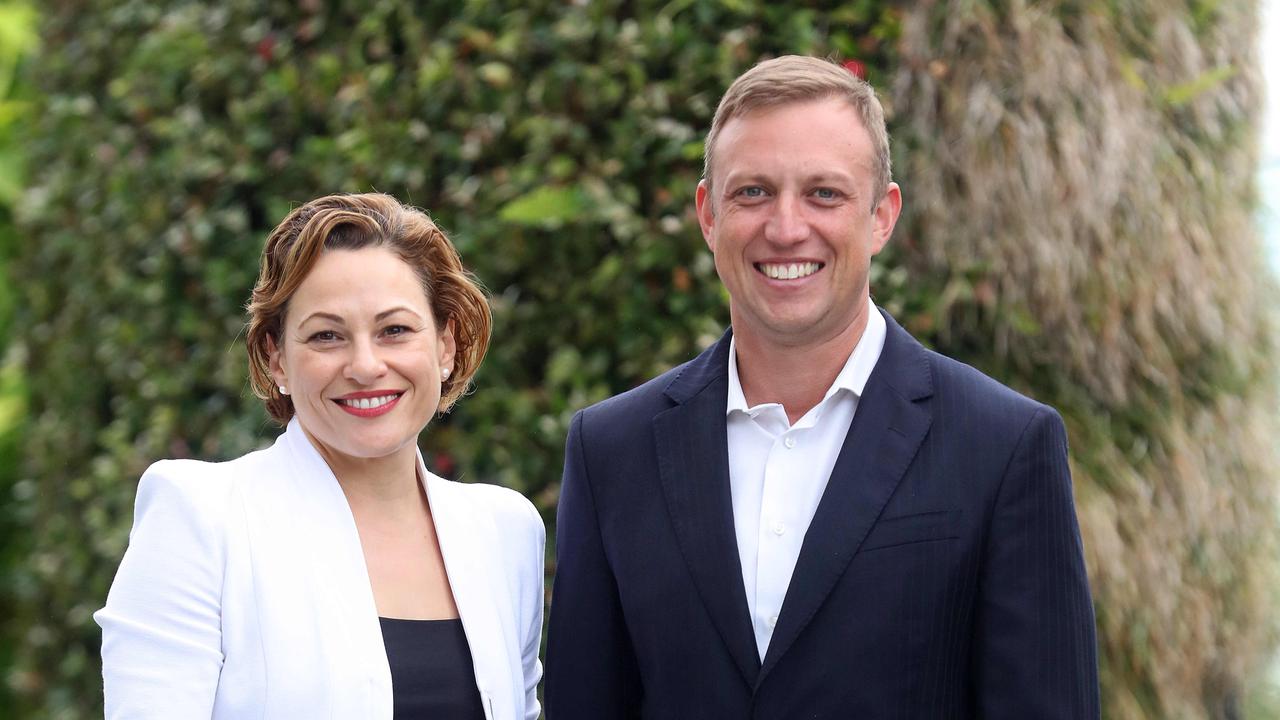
789 271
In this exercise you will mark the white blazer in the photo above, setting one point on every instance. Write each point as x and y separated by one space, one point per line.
244 594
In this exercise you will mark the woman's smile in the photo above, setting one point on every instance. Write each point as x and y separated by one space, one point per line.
369 403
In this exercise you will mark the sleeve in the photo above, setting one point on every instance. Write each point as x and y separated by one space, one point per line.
536 584
1035 650
591 668
161 627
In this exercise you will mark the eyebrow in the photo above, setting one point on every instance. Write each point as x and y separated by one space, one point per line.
377 318
763 178
388 313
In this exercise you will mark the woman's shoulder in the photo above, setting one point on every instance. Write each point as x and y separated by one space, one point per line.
508 508
189 482
181 511
196 486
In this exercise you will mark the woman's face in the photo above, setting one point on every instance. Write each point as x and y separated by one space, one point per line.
360 354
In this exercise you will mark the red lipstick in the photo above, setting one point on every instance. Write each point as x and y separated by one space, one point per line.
374 409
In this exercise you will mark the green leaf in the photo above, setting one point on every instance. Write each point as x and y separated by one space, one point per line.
545 206
1179 95
18 28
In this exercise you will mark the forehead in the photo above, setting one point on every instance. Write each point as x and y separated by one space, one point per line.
824 135
357 281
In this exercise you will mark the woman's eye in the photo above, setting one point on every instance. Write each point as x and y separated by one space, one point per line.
395 330
323 336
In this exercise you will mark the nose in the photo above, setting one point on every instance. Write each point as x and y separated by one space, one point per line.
365 365
787 225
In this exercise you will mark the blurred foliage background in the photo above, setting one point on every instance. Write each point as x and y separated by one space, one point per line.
18 41
1078 182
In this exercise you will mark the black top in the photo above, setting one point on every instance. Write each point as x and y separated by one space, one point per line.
431 671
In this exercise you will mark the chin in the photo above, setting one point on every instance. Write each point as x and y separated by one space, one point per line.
368 447
795 324
381 447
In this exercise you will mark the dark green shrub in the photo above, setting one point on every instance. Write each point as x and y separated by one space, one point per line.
17 42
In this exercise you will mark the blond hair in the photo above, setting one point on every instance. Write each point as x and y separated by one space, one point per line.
796 79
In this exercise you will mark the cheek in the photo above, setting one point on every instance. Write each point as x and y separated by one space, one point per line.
738 223
727 266
313 371
416 361
730 249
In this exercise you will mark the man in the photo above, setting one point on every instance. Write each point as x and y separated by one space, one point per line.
816 517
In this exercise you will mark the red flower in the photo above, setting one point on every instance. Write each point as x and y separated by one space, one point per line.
856 68
443 464
266 47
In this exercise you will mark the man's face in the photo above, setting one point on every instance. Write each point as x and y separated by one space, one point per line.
790 221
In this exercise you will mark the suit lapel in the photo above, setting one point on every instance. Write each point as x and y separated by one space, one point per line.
467 540
692 450
315 517
883 438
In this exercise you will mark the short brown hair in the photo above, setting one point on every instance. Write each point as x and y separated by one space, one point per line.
351 222
796 78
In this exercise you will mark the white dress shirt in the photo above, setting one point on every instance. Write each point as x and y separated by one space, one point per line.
778 472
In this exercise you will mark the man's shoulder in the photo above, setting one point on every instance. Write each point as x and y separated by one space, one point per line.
969 390
633 410
639 404
914 370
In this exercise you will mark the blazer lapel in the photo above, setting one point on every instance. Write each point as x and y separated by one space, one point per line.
340 602
885 434
693 462
467 539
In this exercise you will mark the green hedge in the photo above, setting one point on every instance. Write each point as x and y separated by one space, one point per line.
559 144
17 42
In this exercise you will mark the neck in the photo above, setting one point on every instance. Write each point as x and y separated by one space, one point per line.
797 375
385 485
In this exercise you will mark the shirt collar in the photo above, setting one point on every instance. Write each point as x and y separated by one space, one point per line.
852 377
737 401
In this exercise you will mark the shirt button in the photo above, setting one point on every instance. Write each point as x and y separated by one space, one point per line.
779 527
773 621
789 441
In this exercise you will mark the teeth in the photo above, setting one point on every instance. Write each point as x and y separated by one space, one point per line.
369 403
791 271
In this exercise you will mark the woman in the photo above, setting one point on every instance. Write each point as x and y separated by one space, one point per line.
331 575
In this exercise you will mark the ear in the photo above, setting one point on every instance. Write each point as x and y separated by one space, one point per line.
706 213
446 346
276 362
885 217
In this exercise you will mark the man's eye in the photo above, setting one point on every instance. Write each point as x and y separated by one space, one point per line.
826 194
753 191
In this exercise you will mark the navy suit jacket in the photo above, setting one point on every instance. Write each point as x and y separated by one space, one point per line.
942 575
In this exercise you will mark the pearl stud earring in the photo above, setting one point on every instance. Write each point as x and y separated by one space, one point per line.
444 374
283 391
